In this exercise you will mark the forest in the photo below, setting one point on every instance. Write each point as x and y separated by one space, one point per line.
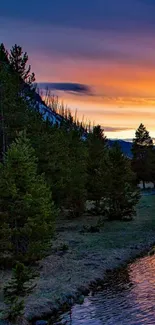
48 170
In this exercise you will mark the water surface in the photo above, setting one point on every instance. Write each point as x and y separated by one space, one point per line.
128 298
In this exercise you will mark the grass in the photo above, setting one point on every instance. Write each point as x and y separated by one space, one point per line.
88 255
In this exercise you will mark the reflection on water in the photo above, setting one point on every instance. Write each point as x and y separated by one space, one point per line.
127 299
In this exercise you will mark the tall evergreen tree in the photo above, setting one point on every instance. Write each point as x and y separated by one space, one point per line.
17 99
18 62
19 286
52 149
4 95
141 149
3 55
14 109
121 195
76 185
96 166
62 157
27 210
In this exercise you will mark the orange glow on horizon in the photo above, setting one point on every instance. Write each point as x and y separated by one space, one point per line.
122 95
118 64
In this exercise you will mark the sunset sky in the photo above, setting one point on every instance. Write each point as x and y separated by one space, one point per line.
97 55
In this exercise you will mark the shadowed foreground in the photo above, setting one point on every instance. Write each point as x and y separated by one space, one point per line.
88 257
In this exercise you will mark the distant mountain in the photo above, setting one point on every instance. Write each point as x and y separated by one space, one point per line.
125 146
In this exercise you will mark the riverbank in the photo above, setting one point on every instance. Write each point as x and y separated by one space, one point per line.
70 271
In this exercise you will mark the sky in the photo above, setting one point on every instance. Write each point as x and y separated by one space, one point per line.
98 56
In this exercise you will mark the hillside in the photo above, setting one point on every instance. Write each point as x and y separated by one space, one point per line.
56 118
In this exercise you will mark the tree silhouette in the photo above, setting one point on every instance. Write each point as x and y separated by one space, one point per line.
141 149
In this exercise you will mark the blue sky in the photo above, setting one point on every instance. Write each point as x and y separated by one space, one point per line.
98 14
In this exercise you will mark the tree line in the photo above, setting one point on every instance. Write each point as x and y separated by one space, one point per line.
47 170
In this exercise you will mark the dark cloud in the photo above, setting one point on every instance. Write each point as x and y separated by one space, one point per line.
67 86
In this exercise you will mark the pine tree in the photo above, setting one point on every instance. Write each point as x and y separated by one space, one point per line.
20 284
96 166
14 291
77 176
22 71
141 149
27 209
3 55
18 62
52 150
121 195
62 157
17 101
14 110
4 94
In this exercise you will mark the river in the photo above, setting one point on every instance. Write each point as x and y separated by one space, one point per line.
128 298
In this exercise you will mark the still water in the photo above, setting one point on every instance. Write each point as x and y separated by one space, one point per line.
128 298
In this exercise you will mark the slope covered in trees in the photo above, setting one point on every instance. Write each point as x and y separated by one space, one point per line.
75 170
50 169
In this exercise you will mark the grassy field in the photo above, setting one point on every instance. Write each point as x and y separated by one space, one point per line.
88 255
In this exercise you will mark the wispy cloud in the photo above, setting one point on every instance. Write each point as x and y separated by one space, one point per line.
116 129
